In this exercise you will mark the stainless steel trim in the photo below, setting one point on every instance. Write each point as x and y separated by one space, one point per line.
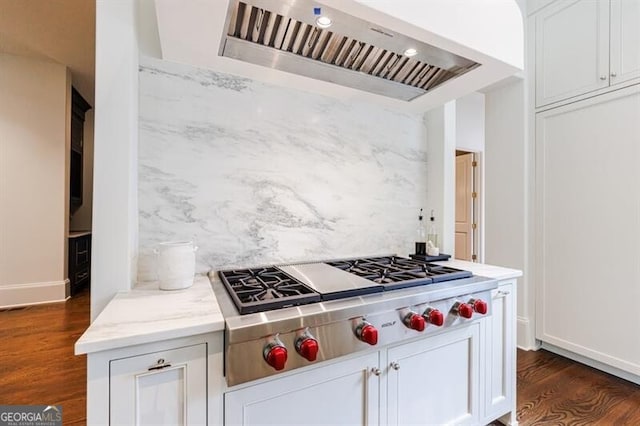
241 328
352 44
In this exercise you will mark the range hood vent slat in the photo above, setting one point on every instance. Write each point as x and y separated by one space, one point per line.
271 25
345 51
288 29
324 39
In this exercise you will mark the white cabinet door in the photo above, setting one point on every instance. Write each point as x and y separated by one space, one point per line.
625 40
343 393
588 227
500 353
572 49
435 380
161 388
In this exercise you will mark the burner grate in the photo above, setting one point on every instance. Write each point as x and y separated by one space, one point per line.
264 289
398 272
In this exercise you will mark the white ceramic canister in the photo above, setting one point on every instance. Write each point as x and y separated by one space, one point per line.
176 264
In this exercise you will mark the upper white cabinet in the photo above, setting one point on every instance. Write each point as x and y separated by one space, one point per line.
585 45
625 40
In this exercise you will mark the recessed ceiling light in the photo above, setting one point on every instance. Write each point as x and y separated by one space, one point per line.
410 52
324 21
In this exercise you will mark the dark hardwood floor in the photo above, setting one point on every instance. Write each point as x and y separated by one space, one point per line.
553 390
37 366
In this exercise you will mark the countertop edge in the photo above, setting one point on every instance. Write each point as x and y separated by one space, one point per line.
483 269
82 348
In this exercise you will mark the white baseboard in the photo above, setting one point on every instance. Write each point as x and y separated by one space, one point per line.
526 335
592 363
16 295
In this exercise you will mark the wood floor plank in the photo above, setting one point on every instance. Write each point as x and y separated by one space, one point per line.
37 364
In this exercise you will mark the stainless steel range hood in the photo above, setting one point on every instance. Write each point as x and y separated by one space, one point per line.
283 34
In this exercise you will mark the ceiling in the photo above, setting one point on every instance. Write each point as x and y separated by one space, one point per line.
62 31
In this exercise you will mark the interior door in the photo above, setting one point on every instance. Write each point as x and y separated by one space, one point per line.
464 206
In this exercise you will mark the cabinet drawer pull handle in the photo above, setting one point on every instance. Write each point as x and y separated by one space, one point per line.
613 74
603 77
376 371
395 366
160 365
502 293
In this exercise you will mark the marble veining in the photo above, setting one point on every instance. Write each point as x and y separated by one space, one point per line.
166 315
256 174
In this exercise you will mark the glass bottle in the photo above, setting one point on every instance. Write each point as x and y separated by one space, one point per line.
432 234
421 236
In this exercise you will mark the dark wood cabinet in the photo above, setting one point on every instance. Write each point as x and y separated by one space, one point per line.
79 261
78 109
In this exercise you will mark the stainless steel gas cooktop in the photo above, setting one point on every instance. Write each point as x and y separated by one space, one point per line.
279 318
274 287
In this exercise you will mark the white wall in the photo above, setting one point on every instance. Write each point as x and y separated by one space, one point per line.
441 151
34 169
470 122
115 208
506 239
81 219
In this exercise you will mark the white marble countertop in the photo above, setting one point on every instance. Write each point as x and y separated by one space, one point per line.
147 314
482 269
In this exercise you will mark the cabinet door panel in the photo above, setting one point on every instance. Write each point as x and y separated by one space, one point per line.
572 45
500 353
625 40
343 393
174 395
437 380
588 210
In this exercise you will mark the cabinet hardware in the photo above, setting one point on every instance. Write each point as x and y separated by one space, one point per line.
395 366
160 364
502 293
603 77
613 74
376 371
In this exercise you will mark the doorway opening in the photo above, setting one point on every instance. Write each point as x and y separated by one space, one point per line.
467 213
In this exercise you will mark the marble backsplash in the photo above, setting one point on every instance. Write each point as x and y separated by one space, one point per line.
260 174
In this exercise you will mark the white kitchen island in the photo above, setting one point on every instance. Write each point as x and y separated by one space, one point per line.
156 357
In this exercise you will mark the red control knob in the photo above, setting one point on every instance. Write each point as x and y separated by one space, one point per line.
480 306
367 333
414 321
307 348
276 356
465 310
434 316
